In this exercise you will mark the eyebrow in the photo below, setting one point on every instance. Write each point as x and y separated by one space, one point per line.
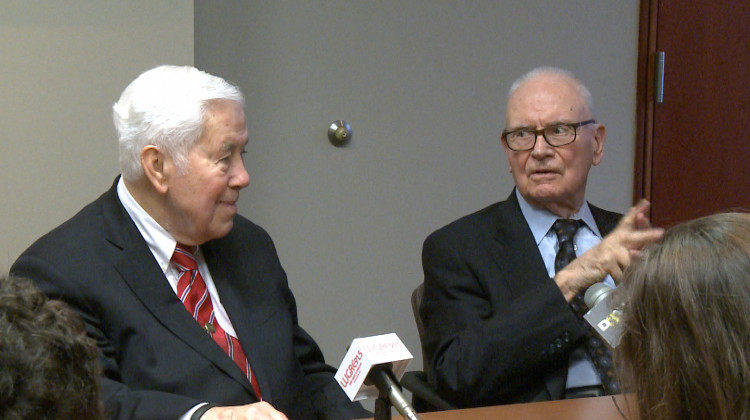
231 147
527 127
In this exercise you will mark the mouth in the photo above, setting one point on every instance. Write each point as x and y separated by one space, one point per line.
543 174
227 203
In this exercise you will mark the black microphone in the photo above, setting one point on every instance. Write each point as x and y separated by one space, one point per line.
385 381
604 319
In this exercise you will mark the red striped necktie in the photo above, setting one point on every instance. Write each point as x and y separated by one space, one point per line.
192 291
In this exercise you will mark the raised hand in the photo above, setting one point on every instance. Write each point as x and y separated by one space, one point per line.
613 254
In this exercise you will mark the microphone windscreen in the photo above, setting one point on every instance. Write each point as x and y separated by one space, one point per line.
595 293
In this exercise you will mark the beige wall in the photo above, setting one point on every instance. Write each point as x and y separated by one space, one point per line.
421 81
64 63
423 84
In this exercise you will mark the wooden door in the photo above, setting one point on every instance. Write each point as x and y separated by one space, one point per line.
693 149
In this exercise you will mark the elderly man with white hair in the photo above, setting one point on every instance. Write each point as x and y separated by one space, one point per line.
186 299
503 286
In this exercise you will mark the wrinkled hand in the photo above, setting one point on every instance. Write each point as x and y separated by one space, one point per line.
612 255
257 411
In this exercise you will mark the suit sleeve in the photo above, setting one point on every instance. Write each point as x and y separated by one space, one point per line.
487 342
328 399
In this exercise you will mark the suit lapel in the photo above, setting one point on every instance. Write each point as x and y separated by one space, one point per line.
518 256
516 253
143 275
605 220
246 309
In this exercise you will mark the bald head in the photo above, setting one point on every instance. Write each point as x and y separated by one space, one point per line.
553 177
556 75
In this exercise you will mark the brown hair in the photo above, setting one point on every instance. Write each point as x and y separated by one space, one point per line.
49 368
685 348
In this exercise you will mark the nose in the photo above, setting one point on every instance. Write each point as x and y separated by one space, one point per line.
541 147
240 178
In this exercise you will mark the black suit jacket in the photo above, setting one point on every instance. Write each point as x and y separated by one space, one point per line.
497 328
158 363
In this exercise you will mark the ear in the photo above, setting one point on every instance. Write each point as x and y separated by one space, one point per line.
600 133
155 168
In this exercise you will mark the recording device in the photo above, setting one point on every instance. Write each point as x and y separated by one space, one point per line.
371 369
601 316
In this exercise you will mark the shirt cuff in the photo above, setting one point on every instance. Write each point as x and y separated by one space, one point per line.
197 412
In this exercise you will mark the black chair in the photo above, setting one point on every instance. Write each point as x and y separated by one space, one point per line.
424 397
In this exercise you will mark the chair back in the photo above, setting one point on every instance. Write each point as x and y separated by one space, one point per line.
424 397
416 301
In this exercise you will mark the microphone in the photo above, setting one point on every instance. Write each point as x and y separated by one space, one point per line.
382 377
596 293
371 369
604 319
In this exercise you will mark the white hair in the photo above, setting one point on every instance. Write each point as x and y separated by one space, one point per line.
555 71
166 107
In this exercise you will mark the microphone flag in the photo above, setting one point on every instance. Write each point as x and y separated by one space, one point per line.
363 354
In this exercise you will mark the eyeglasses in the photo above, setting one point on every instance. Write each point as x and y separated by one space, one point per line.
555 135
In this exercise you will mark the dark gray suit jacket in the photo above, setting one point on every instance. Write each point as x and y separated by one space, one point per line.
497 328
158 363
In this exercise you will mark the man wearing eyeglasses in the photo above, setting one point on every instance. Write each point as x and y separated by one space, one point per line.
502 299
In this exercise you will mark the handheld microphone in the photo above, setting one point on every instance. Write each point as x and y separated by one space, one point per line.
604 319
372 367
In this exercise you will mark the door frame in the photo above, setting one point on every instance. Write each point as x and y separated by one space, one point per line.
644 111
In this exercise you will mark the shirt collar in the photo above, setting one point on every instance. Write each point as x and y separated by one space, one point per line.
159 241
540 220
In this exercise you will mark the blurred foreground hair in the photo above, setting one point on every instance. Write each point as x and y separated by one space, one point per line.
49 368
685 348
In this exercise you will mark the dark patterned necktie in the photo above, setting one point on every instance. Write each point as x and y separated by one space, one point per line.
600 354
192 291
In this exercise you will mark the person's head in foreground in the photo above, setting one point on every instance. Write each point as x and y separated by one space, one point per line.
685 347
49 369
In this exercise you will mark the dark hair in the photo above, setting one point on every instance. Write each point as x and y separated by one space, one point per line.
49 368
685 348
